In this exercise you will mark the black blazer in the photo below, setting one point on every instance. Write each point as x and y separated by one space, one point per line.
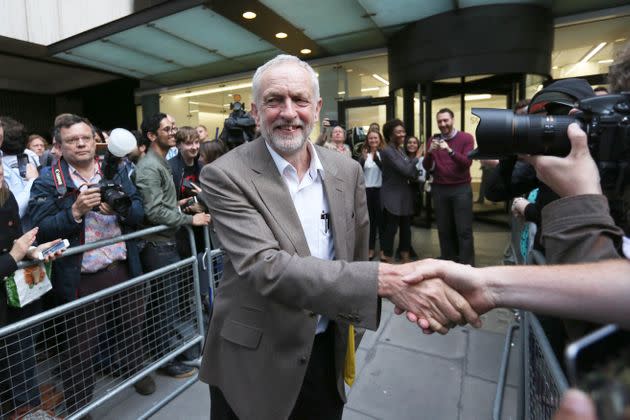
397 192
10 230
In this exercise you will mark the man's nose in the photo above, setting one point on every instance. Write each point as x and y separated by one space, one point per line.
288 109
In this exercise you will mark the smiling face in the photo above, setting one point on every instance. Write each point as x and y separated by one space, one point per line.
398 135
445 122
412 145
374 140
189 148
287 109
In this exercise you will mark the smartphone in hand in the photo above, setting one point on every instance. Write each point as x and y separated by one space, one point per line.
56 247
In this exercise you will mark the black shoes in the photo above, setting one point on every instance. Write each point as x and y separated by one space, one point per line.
177 370
145 386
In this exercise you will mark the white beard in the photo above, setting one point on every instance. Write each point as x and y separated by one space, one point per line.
286 143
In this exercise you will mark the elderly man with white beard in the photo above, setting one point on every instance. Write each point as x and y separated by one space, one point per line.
293 220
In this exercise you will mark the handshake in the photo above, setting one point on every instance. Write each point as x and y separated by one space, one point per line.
435 294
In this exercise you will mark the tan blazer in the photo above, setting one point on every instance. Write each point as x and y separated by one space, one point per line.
264 316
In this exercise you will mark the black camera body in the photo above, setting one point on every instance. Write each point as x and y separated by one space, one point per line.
112 193
115 197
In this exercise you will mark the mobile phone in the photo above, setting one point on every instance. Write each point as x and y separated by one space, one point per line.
599 364
56 247
191 202
22 161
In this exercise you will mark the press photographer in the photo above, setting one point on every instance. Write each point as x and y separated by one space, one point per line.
62 204
239 127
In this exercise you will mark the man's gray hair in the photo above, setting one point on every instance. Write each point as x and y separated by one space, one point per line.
277 61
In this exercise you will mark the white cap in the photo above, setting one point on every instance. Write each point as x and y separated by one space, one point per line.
121 142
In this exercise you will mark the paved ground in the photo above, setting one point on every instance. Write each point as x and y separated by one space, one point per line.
402 374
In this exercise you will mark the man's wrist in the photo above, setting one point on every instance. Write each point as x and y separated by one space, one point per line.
387 275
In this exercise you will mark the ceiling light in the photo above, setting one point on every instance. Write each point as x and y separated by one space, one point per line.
281 35
304 50
343 92
554 68
380 79
593 52
610 60
194 111
372 89
249 15
620 39
349 70
215 90
478 97
361 74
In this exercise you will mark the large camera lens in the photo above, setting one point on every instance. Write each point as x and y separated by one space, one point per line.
501 133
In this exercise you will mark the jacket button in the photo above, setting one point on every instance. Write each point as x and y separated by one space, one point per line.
303 360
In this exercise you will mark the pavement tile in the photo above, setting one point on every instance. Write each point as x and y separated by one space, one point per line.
193 404
478 400
484 356
370 338
401 332
349 414
402 384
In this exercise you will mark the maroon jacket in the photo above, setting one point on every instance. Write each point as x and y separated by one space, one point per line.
451 170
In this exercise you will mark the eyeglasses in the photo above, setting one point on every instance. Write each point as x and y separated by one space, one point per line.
75 140
169 129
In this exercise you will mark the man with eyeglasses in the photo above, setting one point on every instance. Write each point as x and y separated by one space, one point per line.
66 202
155 182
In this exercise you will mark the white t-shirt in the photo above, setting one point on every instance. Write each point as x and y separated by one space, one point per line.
372 173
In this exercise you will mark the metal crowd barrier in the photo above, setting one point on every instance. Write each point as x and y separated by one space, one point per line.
75 357
541 381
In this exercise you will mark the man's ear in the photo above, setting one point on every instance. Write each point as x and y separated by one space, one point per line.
318 108
254 112
151 136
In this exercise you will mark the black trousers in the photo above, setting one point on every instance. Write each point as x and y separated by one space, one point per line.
454 217
318 398
392 224
373 196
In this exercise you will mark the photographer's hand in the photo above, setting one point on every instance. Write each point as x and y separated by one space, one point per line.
106 209
86 201
575 174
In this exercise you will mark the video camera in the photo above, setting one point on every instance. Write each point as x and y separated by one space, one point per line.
239 127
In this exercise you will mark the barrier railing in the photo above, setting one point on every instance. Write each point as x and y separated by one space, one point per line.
93 348
541 380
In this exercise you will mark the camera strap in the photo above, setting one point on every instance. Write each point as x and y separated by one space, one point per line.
60 180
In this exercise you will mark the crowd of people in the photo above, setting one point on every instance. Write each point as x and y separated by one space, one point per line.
60 193
302 271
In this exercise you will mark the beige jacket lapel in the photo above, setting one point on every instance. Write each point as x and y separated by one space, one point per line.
334 190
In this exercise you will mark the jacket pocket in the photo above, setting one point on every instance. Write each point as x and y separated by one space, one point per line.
241 334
